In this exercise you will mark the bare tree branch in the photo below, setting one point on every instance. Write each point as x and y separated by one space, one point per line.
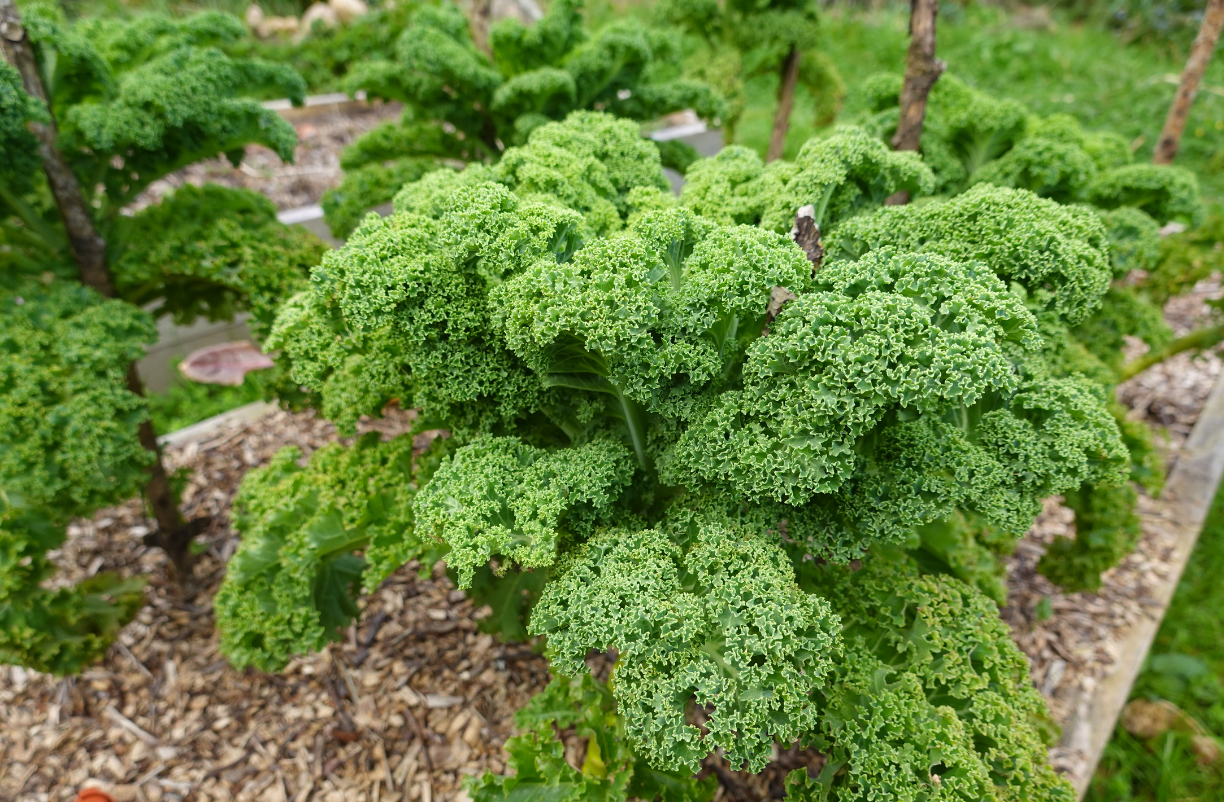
1196 65
922 70
88 247
786 102
89 252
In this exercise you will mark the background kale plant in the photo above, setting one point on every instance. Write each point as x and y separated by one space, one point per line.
126 103
462 105
740 40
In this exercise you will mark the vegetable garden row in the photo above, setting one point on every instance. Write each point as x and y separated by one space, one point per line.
765 445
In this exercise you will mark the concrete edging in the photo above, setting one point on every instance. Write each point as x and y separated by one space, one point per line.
315 106
1179 513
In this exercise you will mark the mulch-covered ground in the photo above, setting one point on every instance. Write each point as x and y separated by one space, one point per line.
415 696
1073 644
411 700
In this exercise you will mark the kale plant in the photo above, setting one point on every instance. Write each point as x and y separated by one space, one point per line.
982 144
461 105
740 40
763 479
126 103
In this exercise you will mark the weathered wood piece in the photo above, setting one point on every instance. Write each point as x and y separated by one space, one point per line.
1200 56
1179 513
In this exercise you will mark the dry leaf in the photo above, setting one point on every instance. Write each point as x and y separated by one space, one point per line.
227 363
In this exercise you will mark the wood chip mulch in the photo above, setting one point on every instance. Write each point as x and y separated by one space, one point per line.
415 696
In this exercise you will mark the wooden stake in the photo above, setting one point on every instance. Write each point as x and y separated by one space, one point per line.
786 102
922 70
480 20
1196 65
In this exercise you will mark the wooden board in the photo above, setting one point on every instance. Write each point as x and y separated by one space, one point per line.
1179 513
207 427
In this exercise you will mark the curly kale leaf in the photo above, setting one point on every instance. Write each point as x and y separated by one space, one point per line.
1055 435
1048 168
55 631
1123 312
839 176
649 318
519 48
734 185
889 333
1164 192
736 41
367 186
437 72
1134 240
1055 159
1106 530
610 772
1185 259
721 626
462 105
176 109
587 163
963 130
624 69
932 700
68 417
211 251
287 590
970 125
401 312
19 158
842 175
325 57
964 546
1056 253
500 497
913 478
128 43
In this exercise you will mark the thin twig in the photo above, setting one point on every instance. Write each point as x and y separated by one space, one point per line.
345 720
126 652
368 640
420 734
126 723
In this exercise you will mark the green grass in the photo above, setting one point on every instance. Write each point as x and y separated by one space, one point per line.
1080 69
121 8
1184 667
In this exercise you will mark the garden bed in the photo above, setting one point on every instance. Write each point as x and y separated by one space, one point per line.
165 716
415 696
1088 649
